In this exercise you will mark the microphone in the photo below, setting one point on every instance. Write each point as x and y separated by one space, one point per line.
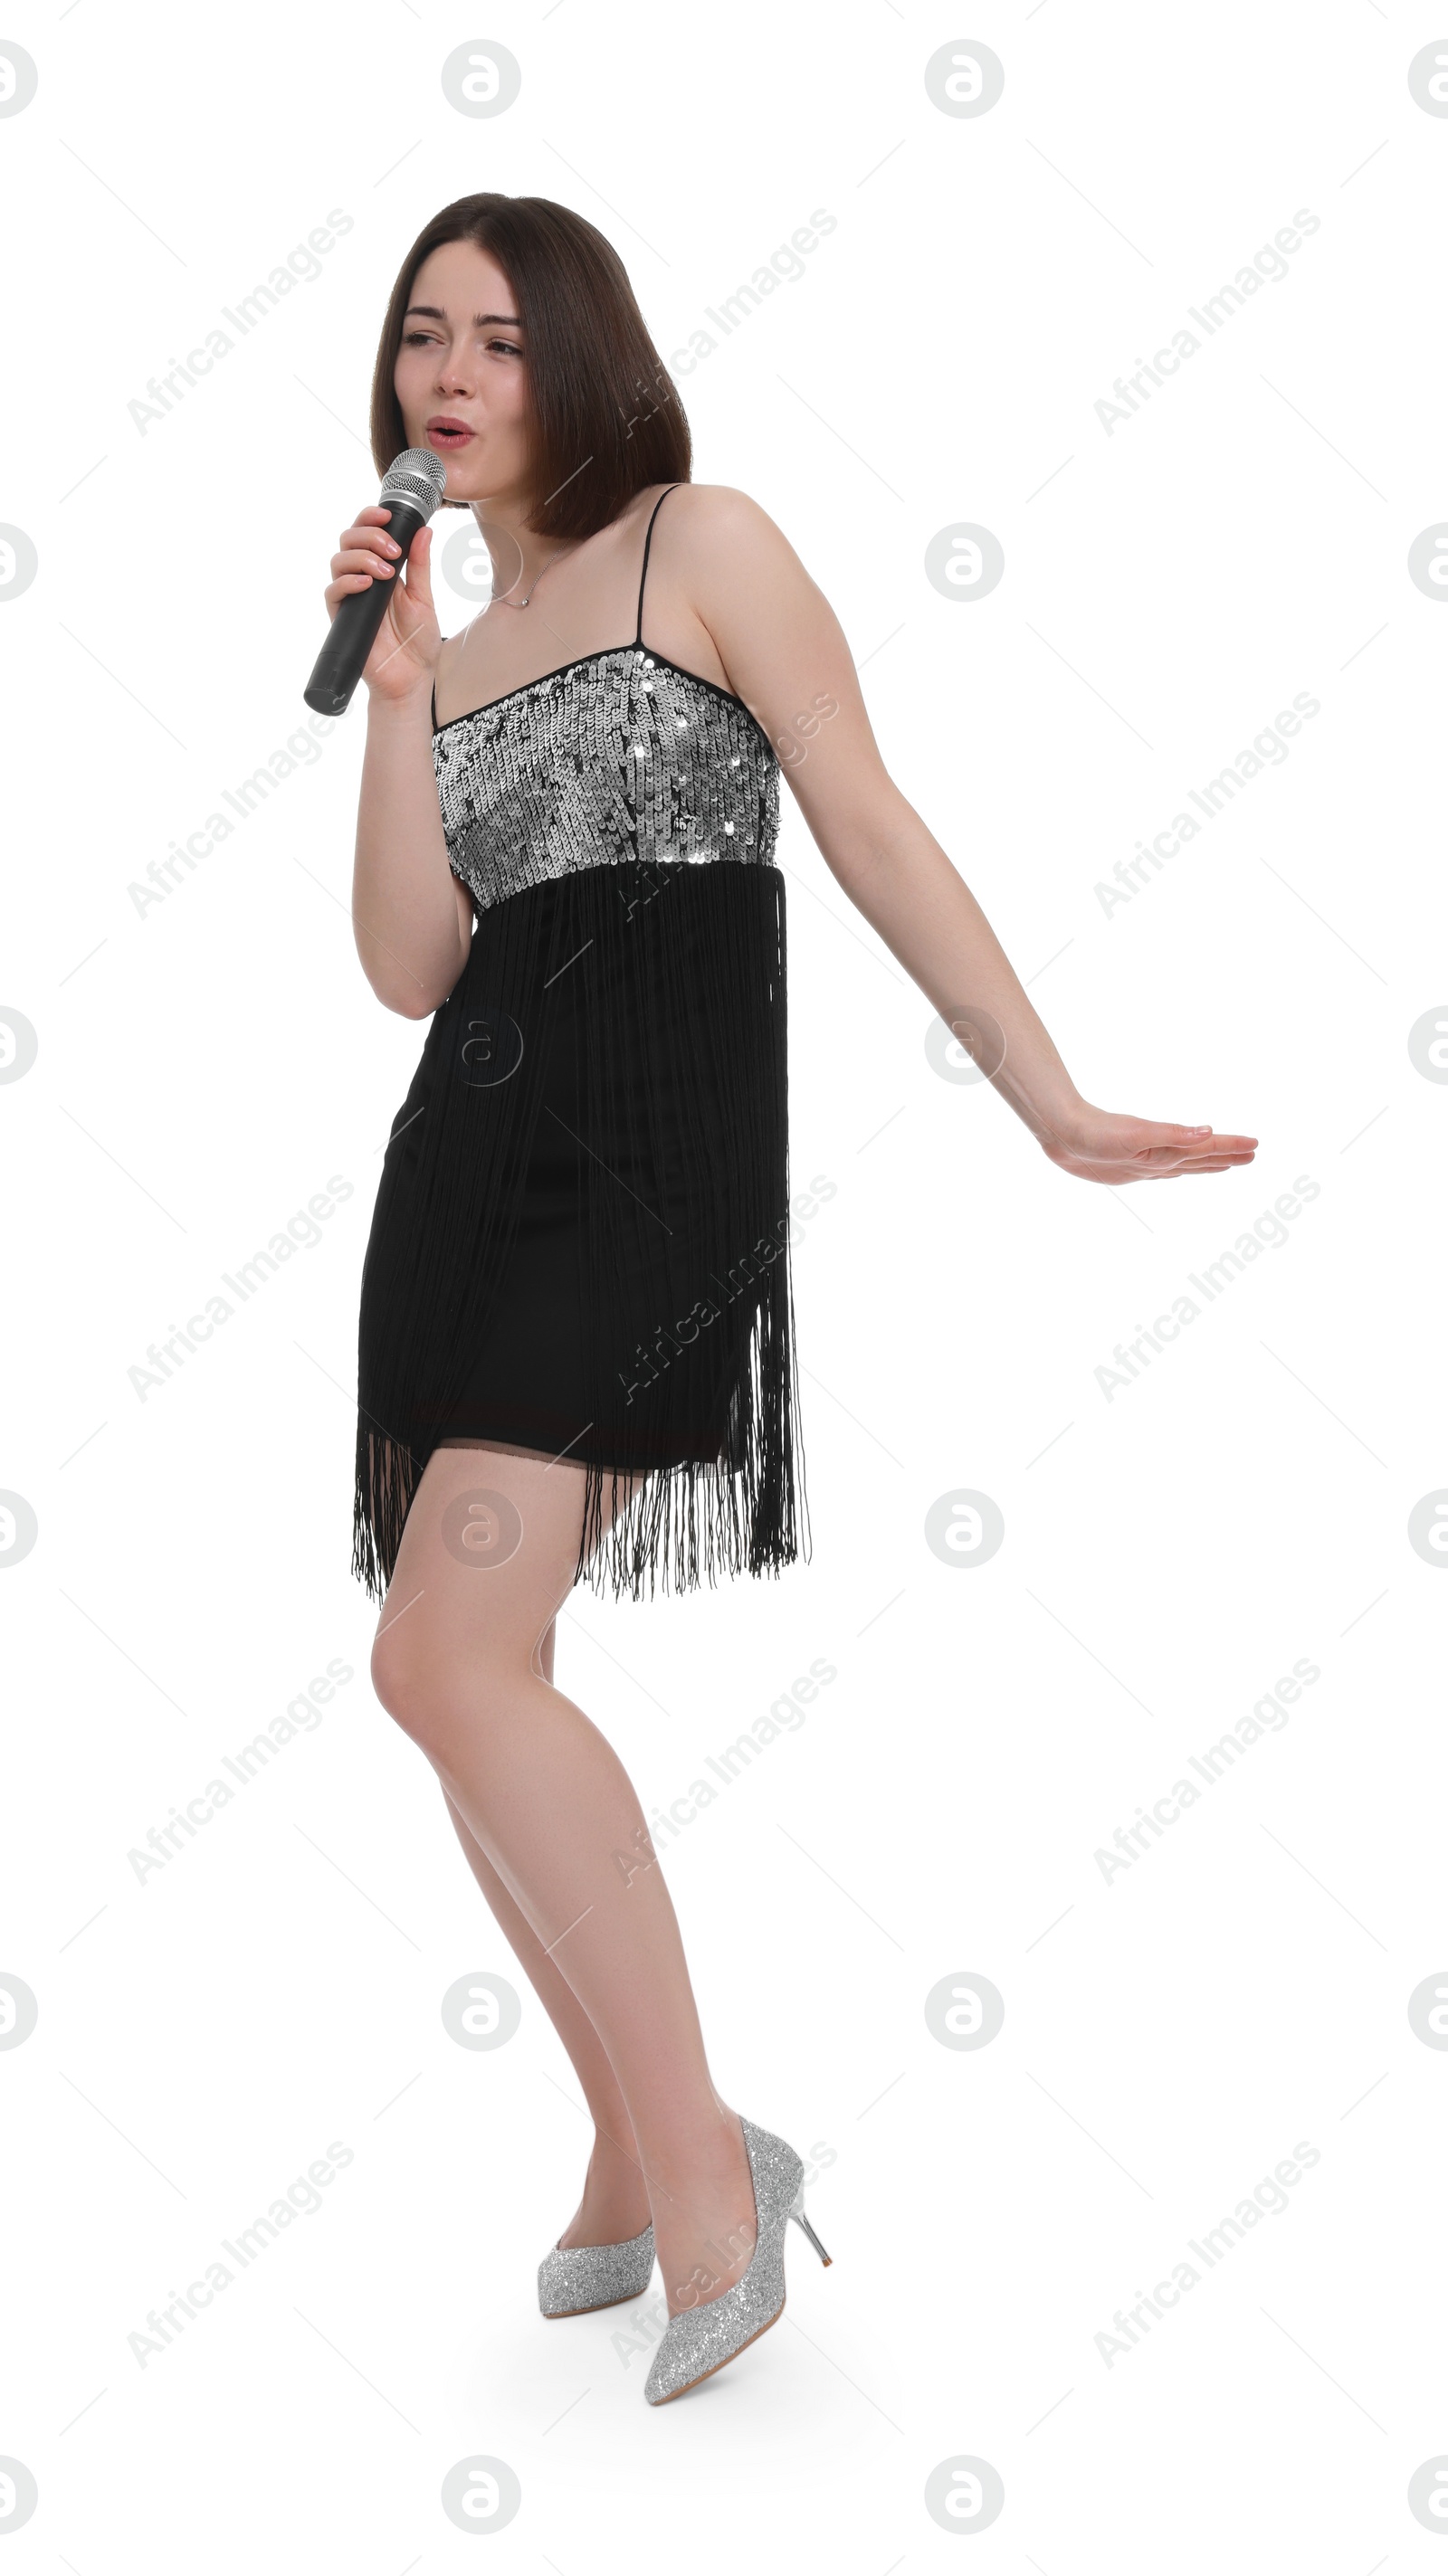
411 490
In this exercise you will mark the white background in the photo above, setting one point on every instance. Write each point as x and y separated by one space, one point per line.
205 1067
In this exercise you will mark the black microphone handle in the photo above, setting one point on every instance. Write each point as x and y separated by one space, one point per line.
350 638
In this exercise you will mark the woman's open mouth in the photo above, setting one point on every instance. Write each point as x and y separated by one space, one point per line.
445 434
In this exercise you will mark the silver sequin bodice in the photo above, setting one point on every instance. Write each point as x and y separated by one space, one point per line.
619 756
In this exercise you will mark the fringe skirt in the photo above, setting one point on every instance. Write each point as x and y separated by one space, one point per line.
580 1244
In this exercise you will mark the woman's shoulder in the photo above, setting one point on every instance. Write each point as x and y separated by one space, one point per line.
710 505
716 521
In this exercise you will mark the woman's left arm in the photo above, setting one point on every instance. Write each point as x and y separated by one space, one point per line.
786 656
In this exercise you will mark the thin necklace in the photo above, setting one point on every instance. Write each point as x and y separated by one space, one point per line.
504 602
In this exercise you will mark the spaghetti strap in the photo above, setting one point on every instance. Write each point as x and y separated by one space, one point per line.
648 541
434 706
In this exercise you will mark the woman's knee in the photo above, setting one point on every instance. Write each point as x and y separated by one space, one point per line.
432 1689
395 1673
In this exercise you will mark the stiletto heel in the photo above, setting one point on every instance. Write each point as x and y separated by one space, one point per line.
796 2211
699 2341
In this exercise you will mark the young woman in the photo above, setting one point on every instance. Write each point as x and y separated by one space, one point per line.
577 1345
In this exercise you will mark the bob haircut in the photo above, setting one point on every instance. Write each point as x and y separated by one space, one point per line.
605 418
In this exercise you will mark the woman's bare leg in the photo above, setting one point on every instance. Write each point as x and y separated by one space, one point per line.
615 2203
553 1813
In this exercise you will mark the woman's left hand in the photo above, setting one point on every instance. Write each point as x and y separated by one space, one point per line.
1104 1145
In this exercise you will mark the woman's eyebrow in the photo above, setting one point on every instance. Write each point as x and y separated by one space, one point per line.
481 321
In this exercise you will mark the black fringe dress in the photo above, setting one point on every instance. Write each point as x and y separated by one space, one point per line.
580 1244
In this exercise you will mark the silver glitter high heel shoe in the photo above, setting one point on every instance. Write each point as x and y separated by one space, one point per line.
700 2340
573 2280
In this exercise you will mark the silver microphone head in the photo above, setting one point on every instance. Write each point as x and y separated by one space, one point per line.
418 476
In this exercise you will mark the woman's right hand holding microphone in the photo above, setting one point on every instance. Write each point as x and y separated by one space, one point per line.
406 646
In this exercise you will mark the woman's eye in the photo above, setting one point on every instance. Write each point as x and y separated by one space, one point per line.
429 339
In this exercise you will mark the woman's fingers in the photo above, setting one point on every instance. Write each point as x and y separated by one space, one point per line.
366 545
1188 1171
1156 1132
373 540
1177 1166
1232 1149
338 590
368 553
362 559
1121 1175
366 522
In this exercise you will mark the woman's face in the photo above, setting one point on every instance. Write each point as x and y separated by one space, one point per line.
462 375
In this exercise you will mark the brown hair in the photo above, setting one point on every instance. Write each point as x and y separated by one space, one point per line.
604 416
